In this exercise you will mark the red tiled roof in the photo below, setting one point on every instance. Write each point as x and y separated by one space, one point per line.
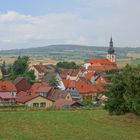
21 94
40 68
39 87
62 102
22 84
6 96
96 68
26 98
43 89
23 97
102 61
101 64
7 86
71 72
81 86
89 75
102 67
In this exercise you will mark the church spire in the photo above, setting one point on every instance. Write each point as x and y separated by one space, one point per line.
111 49
111 52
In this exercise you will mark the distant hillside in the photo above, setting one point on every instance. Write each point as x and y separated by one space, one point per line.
70 52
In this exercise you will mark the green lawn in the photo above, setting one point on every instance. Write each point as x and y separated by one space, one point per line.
135 62
67 125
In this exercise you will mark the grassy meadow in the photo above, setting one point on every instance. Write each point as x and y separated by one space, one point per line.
68 125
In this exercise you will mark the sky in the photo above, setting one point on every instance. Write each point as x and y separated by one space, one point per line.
35 23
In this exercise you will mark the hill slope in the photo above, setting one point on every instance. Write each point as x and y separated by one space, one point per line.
69 52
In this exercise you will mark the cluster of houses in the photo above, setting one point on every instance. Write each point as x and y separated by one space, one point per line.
74 85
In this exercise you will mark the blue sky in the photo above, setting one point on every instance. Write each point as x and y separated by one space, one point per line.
33 23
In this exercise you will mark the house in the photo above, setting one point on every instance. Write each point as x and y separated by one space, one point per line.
21 84
69 74
8 87
61 103
39 71
34 100
59 94
42 89
86 91
74 94
96 78
6 99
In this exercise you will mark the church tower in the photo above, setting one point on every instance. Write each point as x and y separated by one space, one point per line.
111 52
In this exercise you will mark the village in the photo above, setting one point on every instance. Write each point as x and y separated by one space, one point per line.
74 86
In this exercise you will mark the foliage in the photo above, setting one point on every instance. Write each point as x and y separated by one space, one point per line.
29 75
124 94
87 103
20 68
67 65
20 65
3 68
53 81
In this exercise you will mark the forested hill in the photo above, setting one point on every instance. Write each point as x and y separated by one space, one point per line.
68 51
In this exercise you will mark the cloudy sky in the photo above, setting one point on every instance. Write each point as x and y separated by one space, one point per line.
33 23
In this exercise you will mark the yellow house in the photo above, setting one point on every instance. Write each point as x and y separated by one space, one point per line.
34 100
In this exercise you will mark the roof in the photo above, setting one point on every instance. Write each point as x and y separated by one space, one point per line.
7 86
22 84
57 94
28 97
102 61
89 75
43 89
40 68
101 64
21 94
18 79
40 87
6 96
81 86
62 102
70 72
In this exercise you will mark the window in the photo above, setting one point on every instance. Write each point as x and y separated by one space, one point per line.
43 94
35 104
43 104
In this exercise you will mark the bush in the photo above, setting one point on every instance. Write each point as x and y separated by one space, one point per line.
124 94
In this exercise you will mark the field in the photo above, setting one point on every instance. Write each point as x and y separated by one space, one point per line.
68 125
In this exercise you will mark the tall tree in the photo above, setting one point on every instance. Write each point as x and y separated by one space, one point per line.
124 94
20 68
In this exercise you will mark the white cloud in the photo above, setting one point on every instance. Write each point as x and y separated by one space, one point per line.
80 41
51 28
121 20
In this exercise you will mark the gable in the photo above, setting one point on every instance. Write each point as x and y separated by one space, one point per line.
40 99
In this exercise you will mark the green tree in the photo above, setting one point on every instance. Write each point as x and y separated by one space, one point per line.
124 94
67 65
29 75
3 68
20 68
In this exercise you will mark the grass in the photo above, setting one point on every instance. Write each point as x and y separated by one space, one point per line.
135 62
67 125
